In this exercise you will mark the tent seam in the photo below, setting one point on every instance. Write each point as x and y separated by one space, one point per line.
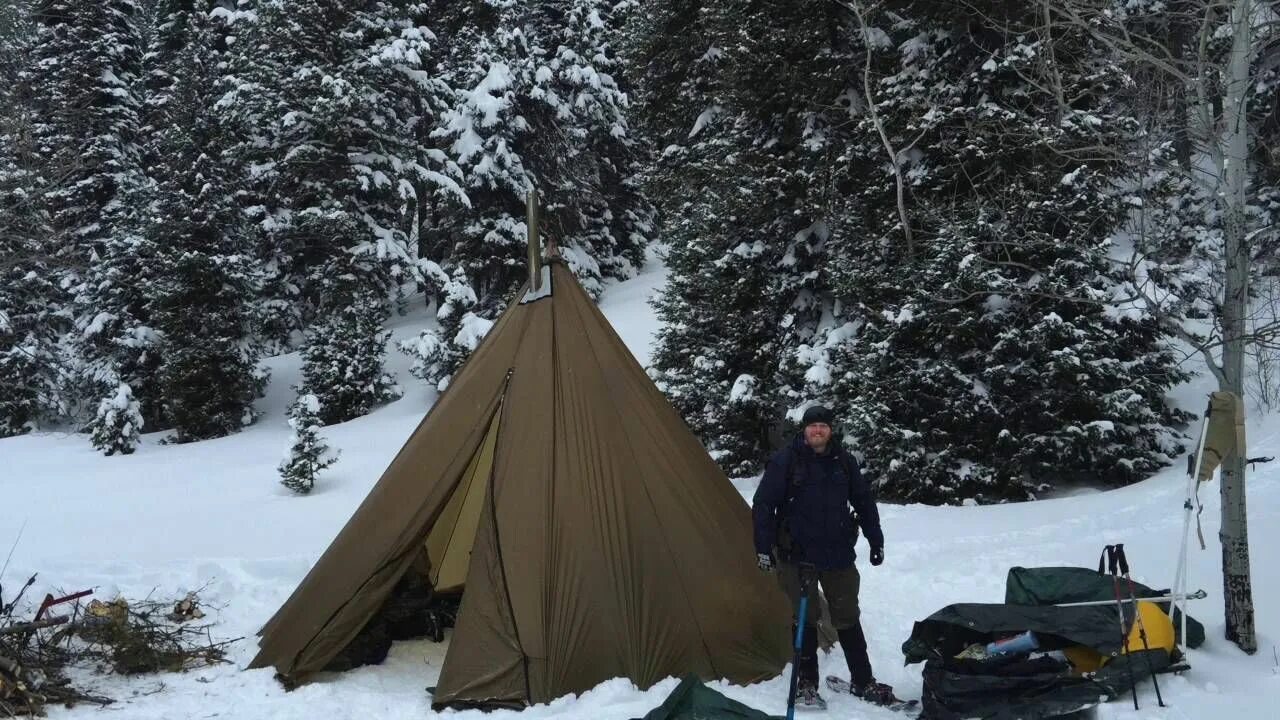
497 540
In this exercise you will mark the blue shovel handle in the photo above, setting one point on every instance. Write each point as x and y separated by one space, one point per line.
805 584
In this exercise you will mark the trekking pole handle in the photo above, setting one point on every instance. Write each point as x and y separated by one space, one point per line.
1109 556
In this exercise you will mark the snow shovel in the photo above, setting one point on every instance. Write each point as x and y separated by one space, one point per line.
807 579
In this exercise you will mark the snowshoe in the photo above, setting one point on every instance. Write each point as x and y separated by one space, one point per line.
874 693
807 698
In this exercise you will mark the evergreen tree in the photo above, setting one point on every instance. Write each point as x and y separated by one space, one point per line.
538 102
1001 358
15 41
30 326
342 357
201 303
29 297
84 62
929 288
437 352
165 29
330 100
580 144
113 341
82 73
741 186
117 422
308 454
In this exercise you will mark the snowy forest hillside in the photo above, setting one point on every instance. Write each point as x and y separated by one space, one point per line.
975 228
245 244
210 517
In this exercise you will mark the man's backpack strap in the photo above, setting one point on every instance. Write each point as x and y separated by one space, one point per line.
793 477
793 473
783 533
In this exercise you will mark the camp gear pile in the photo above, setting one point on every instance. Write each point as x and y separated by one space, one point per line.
1035 656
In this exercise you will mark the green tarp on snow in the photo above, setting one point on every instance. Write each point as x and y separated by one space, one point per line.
691 700
1057 585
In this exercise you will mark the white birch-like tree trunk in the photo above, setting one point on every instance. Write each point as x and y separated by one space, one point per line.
1234 535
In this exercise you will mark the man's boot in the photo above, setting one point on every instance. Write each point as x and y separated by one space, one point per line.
807 675
861 681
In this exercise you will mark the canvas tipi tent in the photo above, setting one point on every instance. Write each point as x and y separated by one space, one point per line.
592 533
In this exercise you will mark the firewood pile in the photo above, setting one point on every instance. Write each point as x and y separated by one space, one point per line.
77 631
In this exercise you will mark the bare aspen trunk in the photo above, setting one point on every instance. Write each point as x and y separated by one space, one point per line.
1237 587
889 149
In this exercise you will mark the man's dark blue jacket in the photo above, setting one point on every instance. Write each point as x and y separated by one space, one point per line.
817 513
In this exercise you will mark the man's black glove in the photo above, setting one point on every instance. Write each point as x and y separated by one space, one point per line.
877 555
764 561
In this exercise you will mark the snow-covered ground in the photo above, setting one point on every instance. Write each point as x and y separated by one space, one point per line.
173 518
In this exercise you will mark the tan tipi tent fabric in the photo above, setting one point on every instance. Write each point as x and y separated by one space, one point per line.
602 540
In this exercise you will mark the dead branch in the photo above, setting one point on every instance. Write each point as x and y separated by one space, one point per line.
24 627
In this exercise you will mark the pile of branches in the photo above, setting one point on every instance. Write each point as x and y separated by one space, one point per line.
119 636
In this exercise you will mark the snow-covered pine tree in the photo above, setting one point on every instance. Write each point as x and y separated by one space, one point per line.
331 99
1177 240
29 297
539 100
201 302
113 342
30 325
165 28
342 356
742 184
477 240
84 63
580 144
16 29
1002 357
438 352
308 454
117 422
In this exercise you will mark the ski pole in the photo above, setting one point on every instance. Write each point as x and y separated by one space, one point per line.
1182 578
1197 595
1112 567
1142 627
